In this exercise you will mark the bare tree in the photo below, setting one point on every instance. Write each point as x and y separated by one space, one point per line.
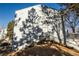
62 13
63 29
70 13
57 26
54 20
72 20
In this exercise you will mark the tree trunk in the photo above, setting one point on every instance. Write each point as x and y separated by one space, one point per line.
59 37
73 29
63 29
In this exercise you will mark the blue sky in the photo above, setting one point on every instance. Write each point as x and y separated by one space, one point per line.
7 10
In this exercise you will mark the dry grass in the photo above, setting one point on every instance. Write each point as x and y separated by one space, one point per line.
44 49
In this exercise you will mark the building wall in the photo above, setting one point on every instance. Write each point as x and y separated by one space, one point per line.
32 25
3 34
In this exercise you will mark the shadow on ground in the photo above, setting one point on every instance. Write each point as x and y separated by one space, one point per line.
39 51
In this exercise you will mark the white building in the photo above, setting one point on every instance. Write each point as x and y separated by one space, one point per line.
33 24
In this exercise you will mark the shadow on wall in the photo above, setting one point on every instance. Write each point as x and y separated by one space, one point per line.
31 30
32 37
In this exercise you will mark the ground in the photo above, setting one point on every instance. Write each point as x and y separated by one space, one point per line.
46 49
